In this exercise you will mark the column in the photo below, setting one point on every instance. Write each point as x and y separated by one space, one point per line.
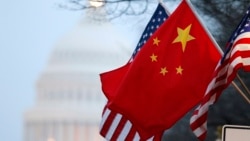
59 128
65 132
71 131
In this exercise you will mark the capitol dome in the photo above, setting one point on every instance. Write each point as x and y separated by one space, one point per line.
94 46
69 98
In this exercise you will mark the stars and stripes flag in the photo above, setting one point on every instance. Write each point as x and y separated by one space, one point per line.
237 56
113 125
159 16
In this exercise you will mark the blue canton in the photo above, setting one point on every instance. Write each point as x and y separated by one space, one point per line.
243 27
156 20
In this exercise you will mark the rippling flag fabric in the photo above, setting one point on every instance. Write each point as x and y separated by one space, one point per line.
165 79
236 56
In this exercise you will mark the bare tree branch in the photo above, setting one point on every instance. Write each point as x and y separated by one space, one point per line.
115 8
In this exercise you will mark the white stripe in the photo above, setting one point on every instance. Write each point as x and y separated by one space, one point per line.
113 126
235 62
210 86
222 71
228 55
243 35
151 139
136 137
213 84
241 47
228 70
203 109
200 130
104 118
125 131
246 61
221 82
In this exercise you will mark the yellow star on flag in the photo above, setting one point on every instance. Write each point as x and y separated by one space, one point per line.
179 70
156 41
163 71
153 58
183 36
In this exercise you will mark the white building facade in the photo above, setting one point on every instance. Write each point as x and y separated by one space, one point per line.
69 100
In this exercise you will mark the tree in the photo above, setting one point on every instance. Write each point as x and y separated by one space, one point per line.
114 8
226 13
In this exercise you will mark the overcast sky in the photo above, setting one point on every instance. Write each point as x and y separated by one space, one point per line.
28 31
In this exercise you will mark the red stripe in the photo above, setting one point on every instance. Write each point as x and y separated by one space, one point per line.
243 40
199 121
216 90
207 98
107 124
225 78
244 54
119 129
158 137
246 68
131 134
202 137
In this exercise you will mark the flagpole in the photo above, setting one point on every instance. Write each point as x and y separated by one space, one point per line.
240 91
164 6
242 83
244 86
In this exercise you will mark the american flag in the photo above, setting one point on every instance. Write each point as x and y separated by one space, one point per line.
236 56
159 16
115 126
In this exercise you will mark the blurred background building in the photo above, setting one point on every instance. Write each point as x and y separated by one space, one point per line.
69 100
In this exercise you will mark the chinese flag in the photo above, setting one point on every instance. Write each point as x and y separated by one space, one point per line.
167 77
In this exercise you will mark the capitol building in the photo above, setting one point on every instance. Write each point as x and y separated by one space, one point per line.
69 100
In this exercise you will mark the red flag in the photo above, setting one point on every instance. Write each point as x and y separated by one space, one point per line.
167 77
115 126
111 79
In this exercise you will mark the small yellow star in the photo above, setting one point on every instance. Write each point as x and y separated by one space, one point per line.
163 71
183 36
179 70
156 41
153 58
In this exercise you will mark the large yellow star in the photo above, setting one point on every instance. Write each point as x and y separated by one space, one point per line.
183 36
156 41
153 58
179 70
163 71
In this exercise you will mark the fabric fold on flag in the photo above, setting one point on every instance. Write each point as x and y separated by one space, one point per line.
111 80
237 56
162 81
116 127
